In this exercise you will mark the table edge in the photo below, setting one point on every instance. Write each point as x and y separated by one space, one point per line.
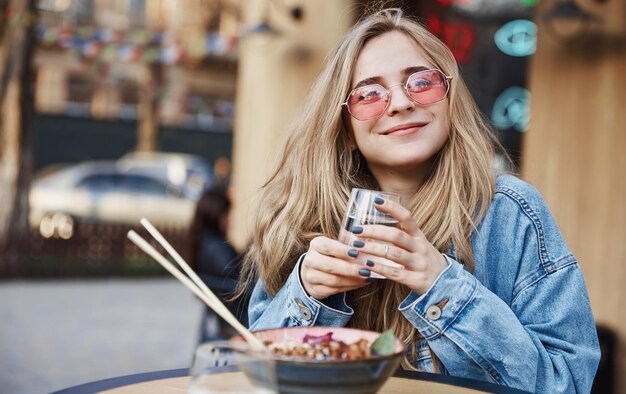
115 382
457 381
119 381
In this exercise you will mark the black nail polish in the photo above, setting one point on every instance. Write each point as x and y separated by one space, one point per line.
370 280
379 200
353 252
364 272
369 263
358 244
357 230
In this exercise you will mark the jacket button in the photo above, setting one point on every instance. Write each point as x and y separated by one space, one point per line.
305 313
433 312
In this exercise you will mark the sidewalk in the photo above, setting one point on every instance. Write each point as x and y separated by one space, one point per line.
57 334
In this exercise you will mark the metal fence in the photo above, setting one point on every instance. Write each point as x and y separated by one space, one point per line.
95 250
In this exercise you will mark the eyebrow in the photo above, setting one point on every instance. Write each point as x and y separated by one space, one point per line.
405 73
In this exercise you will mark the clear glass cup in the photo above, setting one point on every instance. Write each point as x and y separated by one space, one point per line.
361 211
219 368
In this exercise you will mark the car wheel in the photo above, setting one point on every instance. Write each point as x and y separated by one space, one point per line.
57 225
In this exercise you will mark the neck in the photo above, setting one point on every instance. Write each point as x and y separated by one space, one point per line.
404 183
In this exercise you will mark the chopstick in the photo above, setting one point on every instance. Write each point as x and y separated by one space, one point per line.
196 279
199 288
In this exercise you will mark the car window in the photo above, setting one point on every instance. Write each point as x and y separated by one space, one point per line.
143 184
100 182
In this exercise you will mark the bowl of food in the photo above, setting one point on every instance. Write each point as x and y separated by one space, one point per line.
324 360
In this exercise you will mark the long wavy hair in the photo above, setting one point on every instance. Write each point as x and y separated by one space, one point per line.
307 193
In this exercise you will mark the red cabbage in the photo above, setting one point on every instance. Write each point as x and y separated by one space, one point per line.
316 340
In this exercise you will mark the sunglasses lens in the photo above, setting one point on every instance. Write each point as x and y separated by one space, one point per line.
427 87
368 102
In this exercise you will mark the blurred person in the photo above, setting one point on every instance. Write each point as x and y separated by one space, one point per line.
487 287
215 261
221 168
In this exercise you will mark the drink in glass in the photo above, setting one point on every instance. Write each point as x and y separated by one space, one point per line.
362 211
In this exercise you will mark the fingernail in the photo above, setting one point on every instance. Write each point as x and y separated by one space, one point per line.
357 230
379 200
369 263
364 272
358 244
370 280
353 252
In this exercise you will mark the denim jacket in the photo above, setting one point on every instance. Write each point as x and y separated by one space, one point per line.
521 319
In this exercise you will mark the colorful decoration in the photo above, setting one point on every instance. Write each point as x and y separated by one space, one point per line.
517 38
447 3
530 3
459 36
103 44
511 109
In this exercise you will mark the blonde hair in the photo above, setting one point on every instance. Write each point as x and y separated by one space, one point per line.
307 193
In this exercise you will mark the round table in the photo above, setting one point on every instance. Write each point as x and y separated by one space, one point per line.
177 380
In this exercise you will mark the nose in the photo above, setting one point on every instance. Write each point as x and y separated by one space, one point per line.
399 101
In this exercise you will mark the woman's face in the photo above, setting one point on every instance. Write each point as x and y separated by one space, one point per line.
408 135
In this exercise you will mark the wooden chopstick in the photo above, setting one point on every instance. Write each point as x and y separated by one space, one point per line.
177 257
194 277
207 296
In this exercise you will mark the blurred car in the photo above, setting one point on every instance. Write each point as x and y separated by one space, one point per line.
161 187
191 173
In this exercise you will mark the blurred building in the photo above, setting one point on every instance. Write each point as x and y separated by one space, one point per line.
113 59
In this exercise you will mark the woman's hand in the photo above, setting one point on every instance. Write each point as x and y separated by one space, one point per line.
329 268
407 246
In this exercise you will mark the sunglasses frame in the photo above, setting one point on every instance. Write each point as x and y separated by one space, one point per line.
406 91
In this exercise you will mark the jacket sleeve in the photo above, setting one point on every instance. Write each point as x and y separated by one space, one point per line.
292 306
539 337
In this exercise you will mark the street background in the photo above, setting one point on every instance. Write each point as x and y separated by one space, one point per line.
64 333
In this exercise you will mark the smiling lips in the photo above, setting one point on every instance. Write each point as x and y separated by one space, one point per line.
404 129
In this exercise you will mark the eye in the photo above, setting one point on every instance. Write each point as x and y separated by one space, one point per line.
420 84
368 95
424 81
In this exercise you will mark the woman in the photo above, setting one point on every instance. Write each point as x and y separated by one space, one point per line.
488 288
215 260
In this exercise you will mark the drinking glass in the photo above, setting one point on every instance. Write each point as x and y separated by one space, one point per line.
215 365
361 211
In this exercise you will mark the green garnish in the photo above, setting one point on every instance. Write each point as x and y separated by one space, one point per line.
385 344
